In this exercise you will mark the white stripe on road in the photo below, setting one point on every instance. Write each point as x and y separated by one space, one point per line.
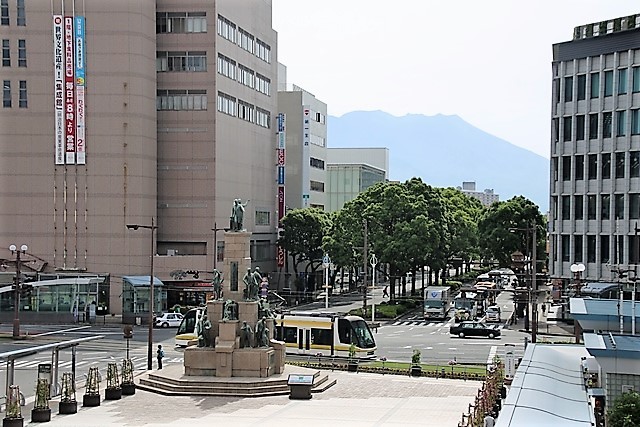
64 330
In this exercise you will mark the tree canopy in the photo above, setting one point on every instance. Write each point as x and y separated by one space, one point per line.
625 411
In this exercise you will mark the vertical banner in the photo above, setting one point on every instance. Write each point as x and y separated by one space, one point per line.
69 92
80 84
58 78
306 137
280 257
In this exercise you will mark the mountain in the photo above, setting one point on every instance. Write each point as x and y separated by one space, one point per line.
445 151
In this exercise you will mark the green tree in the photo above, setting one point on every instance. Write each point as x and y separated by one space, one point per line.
503 230
625 411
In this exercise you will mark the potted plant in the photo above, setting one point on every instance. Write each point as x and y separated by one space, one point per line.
92 388
113 390
416 368
41 413
352 364
13 413
68 403
128 386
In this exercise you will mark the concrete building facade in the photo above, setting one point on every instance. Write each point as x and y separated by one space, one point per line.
595 150
158 109
486 197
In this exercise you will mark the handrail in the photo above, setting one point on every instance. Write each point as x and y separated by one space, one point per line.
15 354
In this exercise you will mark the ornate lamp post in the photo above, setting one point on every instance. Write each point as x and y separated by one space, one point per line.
373 260
151 227
16 288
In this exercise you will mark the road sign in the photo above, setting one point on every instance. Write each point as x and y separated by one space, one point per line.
326 261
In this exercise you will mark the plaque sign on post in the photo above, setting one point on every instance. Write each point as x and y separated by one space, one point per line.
300 386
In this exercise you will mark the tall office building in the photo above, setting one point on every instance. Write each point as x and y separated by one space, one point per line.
119 112
595 150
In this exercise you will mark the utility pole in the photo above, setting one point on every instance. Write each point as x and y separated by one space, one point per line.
365 259
534 284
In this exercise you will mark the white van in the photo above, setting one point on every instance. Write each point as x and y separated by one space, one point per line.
493 314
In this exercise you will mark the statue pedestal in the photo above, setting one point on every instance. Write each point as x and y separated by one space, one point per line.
237 259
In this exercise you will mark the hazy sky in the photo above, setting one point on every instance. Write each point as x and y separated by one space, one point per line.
487 61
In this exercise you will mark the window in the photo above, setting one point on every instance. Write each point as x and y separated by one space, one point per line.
592 172
181 100
6 94
621 121
568 89
226 66
593 126
6 53
317 186
618 206
622 81
263 84
566 129
556 90
580 128
226 104
4 12
246 76
263 51
634 206
246 40
595 85
582 87
246 111
181 61
21 19
591 248
608 83
577 248
226 29
566 168
566 207
606 166
263 118
636 79
605 207
606 124
316 163
22 53
181 22
565 248
604 248
579 170
591 207
620 165
555 129
578 207
635 122
22 99
634 160
263 218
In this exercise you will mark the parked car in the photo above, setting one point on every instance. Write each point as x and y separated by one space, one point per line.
474 329
166 320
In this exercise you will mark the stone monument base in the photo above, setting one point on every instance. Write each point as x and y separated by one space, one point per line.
225 361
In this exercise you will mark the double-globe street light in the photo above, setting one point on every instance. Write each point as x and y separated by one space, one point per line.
151 227
17 288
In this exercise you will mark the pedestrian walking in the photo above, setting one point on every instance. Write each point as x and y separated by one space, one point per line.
385 291
544 309
160 355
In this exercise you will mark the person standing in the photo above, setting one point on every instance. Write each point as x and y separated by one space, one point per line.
489 420
160 355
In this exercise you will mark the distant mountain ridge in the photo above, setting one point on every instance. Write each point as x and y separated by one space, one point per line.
445 151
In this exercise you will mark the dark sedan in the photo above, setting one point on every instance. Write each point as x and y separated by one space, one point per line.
474 329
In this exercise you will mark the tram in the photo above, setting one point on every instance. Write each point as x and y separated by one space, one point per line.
187 329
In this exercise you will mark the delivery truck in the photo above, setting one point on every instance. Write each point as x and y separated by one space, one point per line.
437 302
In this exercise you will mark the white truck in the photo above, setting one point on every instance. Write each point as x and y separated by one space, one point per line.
437 302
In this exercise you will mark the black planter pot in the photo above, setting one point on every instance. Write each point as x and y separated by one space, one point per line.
41 415
68 407
416 371
113 393
128 389
13 422
91 400
352 367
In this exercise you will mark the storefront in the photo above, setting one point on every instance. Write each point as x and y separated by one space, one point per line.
188 293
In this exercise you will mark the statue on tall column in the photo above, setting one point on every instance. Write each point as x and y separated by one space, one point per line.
237 215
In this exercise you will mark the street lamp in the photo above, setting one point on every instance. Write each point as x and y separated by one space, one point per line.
16 288
215 230
577 270
151 227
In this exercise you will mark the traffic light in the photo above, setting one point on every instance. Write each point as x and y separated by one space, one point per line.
26 290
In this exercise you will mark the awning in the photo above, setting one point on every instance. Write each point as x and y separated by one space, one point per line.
141 280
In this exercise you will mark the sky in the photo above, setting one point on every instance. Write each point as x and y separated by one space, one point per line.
487 61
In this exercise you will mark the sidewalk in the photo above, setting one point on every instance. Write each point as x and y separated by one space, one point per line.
358 399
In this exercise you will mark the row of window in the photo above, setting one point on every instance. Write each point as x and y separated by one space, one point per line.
21 17
619 168
181 61
228 104
590 202
578 87
244 39
593 129
181 100
7 98
6 53
244 75
181 22
607 243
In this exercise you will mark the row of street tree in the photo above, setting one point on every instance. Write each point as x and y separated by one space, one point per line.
410 226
